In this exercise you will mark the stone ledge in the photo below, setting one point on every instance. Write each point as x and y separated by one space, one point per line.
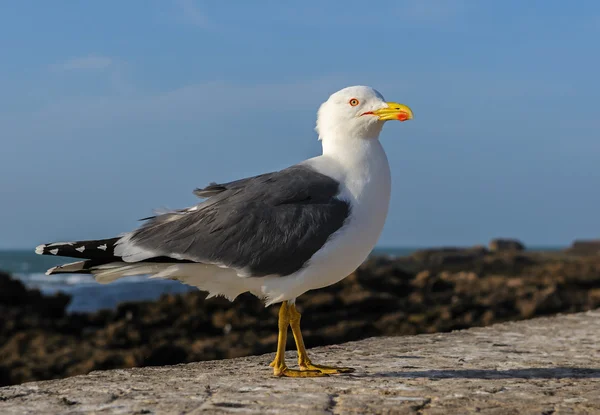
544 366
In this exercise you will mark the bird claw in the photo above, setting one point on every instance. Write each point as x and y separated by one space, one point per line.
329 370
293 373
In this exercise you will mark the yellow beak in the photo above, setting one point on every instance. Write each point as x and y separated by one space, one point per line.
393 111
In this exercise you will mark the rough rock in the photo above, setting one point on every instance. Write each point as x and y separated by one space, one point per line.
497 245
14 294
540 366
585 247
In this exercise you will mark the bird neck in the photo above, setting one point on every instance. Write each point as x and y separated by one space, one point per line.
358 162
361 165
349 148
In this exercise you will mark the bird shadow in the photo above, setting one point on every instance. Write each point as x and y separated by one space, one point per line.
525 373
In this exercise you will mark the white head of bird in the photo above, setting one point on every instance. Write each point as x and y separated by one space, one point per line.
357 112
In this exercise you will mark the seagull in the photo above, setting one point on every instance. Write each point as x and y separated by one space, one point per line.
276 235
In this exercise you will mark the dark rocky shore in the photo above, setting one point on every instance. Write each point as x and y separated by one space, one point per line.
429 291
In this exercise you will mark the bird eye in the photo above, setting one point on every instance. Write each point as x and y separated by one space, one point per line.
354 102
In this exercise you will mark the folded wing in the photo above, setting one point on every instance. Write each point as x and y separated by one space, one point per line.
270 224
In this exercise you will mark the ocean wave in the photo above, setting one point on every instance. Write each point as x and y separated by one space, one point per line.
42 281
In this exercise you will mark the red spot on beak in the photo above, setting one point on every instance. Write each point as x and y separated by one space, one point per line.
402 116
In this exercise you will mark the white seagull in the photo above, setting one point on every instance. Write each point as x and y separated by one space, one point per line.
277 235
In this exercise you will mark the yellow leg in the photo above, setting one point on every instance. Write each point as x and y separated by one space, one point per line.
279 366
303 359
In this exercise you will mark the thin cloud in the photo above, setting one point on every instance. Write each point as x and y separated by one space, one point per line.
191 102
193 14
86 63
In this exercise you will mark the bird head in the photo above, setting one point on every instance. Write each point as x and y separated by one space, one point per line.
358 112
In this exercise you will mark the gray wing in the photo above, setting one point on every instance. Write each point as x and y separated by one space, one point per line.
270 224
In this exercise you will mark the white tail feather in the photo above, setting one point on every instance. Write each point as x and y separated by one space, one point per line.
108 273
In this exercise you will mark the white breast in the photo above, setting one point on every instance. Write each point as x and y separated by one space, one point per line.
364 175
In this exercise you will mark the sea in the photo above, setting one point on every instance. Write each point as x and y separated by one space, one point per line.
88 296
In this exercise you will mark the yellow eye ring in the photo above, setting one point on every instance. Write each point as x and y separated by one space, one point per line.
353 102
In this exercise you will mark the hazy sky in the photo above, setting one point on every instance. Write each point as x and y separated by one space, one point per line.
111 109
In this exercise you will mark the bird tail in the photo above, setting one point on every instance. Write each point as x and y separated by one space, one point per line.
105 273
79 267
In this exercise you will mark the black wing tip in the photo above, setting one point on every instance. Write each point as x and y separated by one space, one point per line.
93 249
53 248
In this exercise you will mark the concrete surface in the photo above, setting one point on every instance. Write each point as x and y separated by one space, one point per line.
541 366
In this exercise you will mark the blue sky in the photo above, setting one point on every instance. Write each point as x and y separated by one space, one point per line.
111 109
